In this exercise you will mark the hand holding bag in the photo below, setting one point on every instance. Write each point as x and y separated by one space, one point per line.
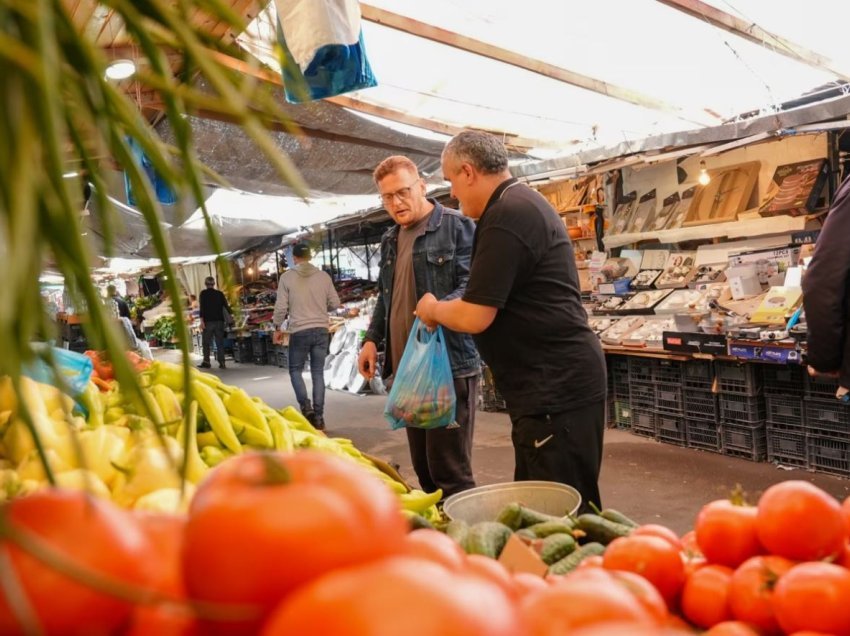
422 394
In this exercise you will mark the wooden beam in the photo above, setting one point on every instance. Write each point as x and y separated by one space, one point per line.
450 38
754 33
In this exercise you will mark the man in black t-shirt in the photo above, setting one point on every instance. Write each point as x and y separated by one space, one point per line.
213 305
523 305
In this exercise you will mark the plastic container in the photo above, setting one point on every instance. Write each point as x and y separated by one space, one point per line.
484 503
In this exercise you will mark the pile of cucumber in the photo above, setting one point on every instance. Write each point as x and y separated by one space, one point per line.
562 542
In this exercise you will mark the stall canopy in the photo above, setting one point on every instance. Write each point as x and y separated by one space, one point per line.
563 83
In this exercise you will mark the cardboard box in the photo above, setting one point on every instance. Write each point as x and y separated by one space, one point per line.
685 342
796 188
780 353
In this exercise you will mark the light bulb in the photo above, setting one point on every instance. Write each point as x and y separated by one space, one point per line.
704 178
120 69
250 271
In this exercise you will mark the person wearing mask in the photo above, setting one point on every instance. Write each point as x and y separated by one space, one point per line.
426 252
523 305
306 294
213 313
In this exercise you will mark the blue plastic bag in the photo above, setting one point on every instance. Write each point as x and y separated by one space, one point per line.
423 392
75 368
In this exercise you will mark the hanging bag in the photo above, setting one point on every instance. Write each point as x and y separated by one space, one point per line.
423 393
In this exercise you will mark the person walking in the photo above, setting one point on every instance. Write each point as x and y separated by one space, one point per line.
306 294
427 251
523 305
213 310
121 307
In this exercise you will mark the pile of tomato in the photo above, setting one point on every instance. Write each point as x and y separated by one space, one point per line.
306 543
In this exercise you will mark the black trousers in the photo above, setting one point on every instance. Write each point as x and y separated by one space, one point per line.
442 457
565 447
213 329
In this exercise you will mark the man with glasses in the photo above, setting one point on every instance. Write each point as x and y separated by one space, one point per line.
427 251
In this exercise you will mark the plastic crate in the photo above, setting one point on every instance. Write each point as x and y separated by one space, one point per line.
785 413
743 440
641 369
700 405
622 414
242 350
703 435
668 372
643 423
698 374
783 380
820 387
828 417
282 357
742 409
739 379
642 395
670 429
784 447
829 455
668 399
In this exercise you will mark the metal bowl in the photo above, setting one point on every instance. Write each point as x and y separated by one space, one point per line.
486 502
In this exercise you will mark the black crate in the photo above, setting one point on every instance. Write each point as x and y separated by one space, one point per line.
698 374
785 447
242 350
785 413
668 399
740 379
828 417
260 343
700 405
282 357
643 423
783 380
741 409
668 372
820 387
618 367
703 435
622 414
829 455
641 370
642 395
743 440
670 429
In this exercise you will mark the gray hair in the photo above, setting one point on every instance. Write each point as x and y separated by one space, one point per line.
482 150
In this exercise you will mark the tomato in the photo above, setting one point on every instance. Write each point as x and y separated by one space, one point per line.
398 595
646 594
732 628
593 561
88 532
693 564
657 530
814 596
705 597
435 546
492 571
844 558
263 524
845 509
690 547
653 558
751 590
726 533
800 521
526 583
630 629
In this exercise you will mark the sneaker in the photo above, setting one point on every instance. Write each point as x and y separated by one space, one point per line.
204 365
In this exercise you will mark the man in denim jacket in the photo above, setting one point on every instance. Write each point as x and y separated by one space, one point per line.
428 251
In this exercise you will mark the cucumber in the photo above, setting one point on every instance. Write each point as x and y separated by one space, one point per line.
572 561
487 538
544 529
526 534
618 517
458 530
511 516
601 530
417 521
556 546
530 517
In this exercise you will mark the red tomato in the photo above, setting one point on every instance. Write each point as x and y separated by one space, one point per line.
263 524
845 509
492 571
705 597
751 590
732 628
89 532
399 595
800 521
526 583
646 594
593 561
630 629
653 558
844 559
434 546
814 596
690 547
726 532
657 530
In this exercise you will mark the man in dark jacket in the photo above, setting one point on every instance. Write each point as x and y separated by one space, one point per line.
427 252
213 305
825 294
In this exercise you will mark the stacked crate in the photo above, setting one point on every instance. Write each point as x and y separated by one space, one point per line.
618 378
242 351
700 406
827 422
742 410
281 356
786 429
669 420
260 344
642 395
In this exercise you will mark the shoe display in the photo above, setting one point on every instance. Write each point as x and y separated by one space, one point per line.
204 365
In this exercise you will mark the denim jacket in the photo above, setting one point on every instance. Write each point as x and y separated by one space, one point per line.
441 259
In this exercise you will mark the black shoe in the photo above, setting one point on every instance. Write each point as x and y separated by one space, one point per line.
204 365
318 422
221 365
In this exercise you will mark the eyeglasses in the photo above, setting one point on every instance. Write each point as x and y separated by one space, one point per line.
401 193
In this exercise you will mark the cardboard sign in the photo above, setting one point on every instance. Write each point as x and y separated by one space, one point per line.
518 557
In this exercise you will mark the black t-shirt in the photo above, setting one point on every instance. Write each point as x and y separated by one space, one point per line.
123 308
212 303
544 357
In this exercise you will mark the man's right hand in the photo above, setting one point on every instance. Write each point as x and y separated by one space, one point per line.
367 360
